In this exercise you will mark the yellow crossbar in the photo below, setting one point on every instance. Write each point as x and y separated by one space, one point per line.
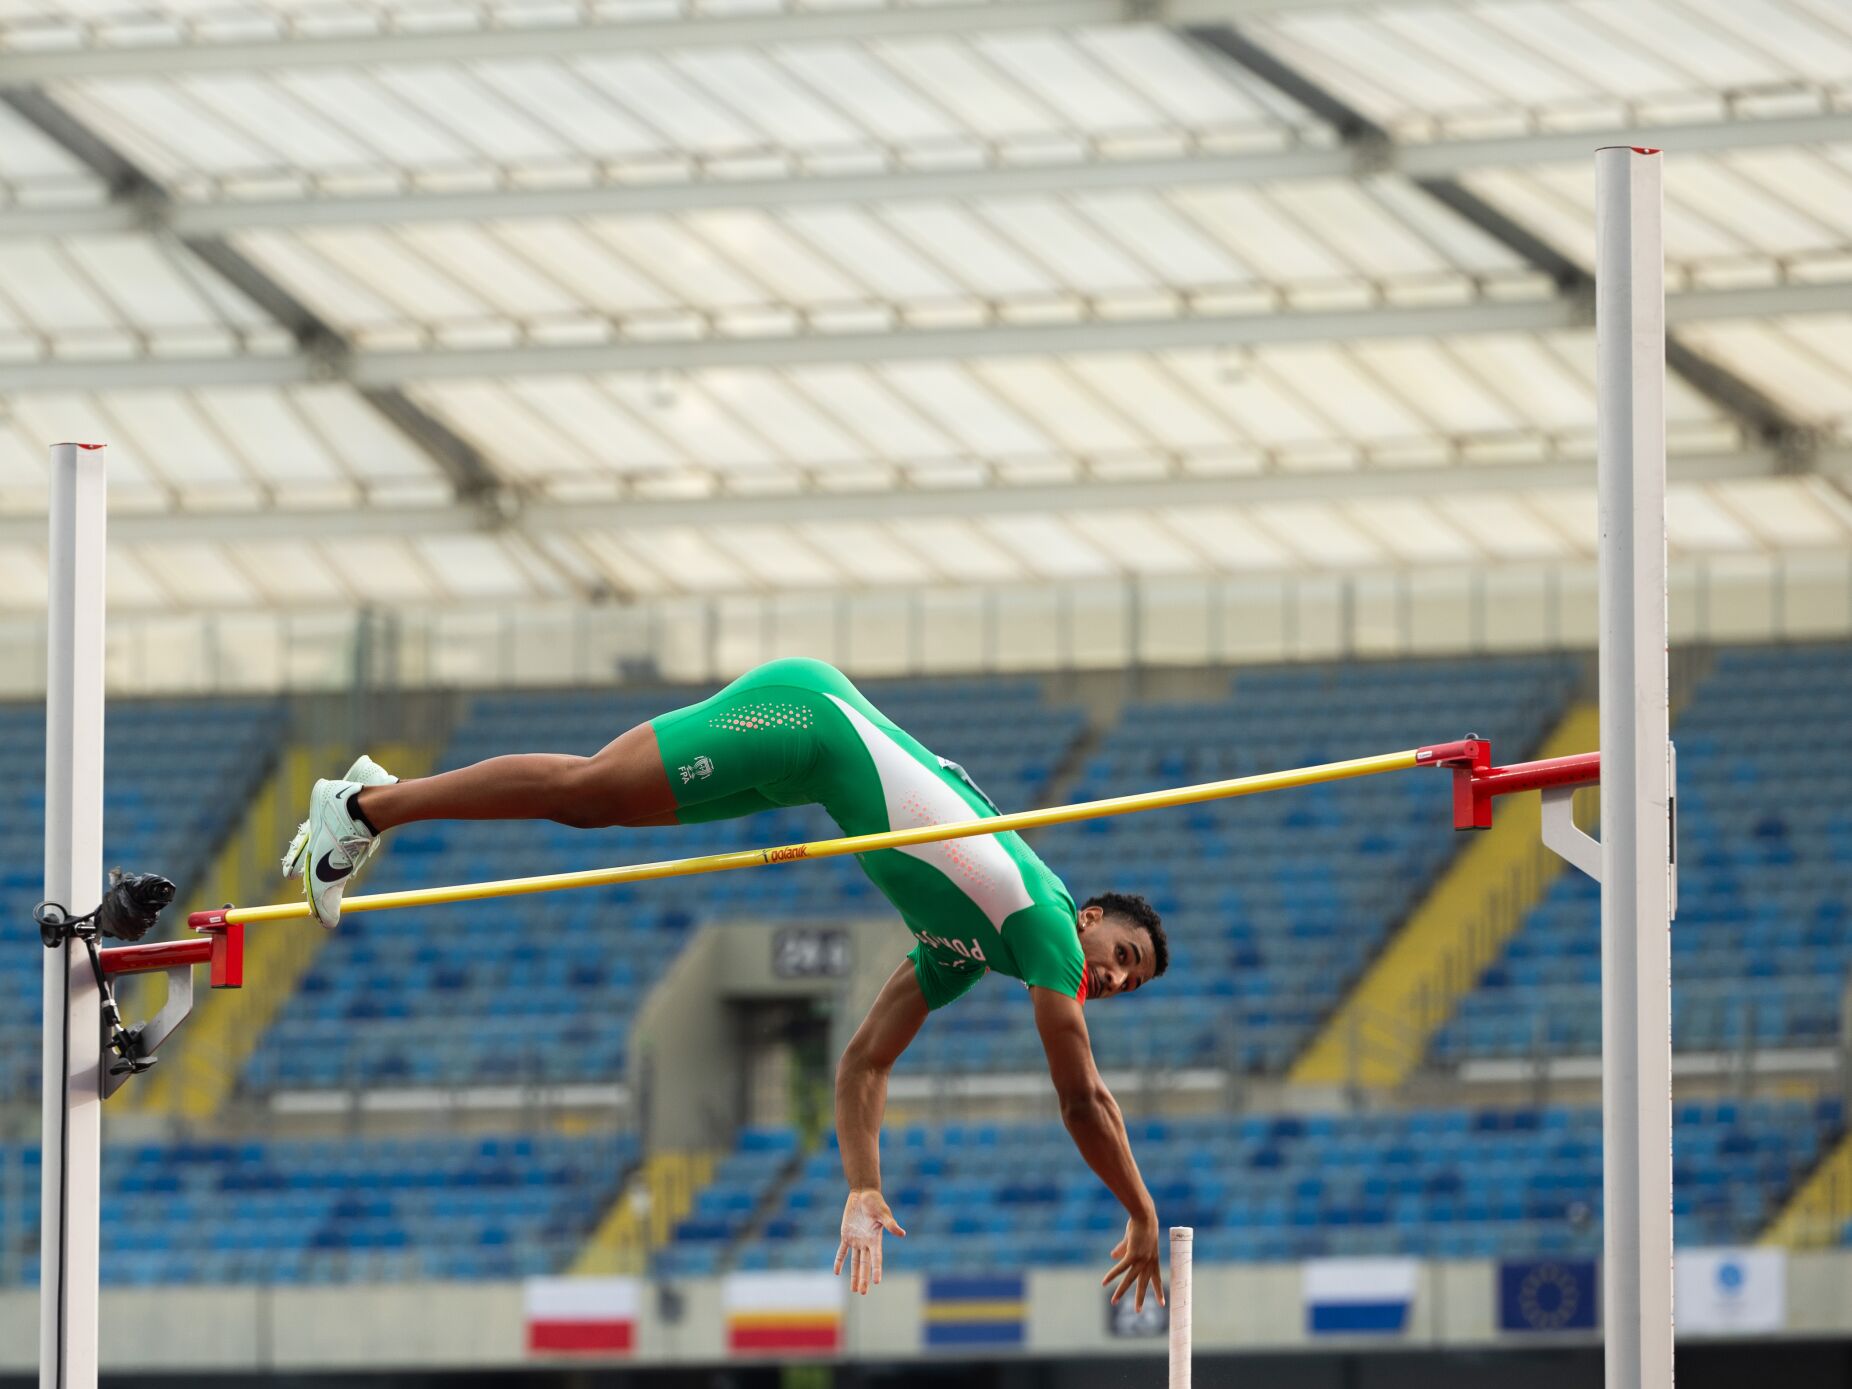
836 848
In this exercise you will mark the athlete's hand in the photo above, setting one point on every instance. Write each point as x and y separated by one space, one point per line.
1138 1265
864 1217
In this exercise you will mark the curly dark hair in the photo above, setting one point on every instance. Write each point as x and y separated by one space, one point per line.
1142 914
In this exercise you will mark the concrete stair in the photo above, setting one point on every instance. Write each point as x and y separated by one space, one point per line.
660 1192
1820 1207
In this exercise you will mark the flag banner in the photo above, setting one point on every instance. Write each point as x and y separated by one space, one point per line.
1726 1290
783 1313
581 1316
1124 1320
981 1311
1547 1295
1358 1297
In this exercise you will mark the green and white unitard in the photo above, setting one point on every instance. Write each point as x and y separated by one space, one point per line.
796 732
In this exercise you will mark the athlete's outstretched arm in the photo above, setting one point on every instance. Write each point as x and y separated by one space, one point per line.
1098 1129
898 1013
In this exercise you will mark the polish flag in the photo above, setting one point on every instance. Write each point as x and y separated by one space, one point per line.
582 1316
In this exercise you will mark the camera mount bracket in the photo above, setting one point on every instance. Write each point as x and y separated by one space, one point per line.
128 910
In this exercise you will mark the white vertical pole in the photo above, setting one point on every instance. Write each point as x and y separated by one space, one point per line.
1636 967
1182 1250
72 1098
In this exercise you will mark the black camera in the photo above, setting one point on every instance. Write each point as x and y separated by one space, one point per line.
132 904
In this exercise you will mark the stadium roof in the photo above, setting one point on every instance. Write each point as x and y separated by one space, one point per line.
382 303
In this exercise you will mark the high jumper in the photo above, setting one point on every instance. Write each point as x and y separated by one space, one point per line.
797 732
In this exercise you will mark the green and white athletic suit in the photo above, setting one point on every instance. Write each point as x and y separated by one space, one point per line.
798 733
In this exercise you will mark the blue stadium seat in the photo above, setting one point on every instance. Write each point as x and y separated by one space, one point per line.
1436 1183
346 1210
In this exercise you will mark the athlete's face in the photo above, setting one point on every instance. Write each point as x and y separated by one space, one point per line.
1118 954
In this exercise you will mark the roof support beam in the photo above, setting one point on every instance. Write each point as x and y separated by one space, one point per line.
641 512
378 370
181 53
1436 160
321 348
1757 413
73 52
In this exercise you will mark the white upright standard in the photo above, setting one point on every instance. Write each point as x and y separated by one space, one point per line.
71 1160
1637 857
1182 1252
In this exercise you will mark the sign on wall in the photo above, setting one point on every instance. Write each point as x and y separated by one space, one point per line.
783 1313
1730 1290
1126 1321
1540 1295
982 1311
811 952
581 1316
1358 1297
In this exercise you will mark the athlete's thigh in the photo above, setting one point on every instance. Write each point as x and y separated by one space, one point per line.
627 776
747 748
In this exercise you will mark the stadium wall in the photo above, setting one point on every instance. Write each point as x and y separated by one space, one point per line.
434 1327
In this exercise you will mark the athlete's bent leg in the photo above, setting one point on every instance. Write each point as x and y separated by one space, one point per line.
624 784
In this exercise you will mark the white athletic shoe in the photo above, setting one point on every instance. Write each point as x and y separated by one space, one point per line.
332 845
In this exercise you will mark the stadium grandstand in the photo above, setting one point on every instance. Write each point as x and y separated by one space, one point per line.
1124 397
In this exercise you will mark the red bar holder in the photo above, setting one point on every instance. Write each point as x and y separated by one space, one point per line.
221 947
1477 783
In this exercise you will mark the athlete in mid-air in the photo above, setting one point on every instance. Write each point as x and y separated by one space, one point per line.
796 732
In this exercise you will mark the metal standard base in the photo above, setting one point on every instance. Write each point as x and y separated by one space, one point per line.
1568 840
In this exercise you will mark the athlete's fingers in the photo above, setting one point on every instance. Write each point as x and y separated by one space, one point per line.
877 1257
892 1226
1148 1278
842 1251
1124 1283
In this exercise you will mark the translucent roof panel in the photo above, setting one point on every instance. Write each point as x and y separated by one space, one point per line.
227 447
1446 71
290 573
1740 218
1320 243
1505 399
1804 364
710 112
37 172
1766 516
120 295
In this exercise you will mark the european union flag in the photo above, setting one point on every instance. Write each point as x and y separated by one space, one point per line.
1547 1295
963 1312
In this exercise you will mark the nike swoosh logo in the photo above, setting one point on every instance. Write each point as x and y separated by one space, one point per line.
326 872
